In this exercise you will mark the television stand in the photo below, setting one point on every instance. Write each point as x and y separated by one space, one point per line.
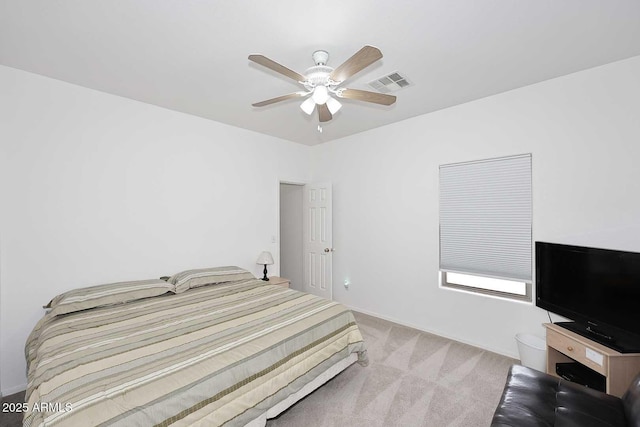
565 346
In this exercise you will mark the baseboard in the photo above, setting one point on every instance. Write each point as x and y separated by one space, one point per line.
434 332
12 390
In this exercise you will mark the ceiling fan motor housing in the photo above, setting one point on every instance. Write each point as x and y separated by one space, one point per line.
318 75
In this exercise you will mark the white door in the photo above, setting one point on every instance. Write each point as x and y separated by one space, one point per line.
317 240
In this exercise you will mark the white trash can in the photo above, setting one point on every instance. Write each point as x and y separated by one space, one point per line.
533 351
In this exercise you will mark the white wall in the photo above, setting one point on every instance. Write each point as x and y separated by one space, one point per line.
291 234
98 189
584 134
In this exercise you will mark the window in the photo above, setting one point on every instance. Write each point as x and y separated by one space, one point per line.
485 226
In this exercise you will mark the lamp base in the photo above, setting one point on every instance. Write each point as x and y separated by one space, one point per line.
265 278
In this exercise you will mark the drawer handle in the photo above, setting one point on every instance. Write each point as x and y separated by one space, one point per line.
570 348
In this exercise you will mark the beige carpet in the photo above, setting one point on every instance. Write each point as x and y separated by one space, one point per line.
413 379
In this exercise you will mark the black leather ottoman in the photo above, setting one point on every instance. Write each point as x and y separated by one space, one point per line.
532 398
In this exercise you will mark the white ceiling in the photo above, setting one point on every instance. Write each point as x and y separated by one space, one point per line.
191 55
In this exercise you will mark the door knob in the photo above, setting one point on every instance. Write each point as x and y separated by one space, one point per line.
328 249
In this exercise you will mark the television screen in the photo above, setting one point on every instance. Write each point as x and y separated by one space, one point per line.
599 288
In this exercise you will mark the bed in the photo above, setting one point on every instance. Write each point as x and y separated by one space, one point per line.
212 347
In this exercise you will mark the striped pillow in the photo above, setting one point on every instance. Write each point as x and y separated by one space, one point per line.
208 276
108 294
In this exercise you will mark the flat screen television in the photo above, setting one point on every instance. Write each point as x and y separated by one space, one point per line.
599 289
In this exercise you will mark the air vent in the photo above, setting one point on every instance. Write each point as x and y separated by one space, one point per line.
390 83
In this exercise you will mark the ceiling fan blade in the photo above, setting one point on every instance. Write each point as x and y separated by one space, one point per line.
359 61
273 65
365 95
323 113
280 98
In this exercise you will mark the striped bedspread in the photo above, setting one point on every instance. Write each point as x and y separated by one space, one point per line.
215 355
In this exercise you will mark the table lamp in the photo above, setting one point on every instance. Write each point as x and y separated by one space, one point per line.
265 259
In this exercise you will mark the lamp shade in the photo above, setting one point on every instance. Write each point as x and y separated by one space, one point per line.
265 258
308 105
333 104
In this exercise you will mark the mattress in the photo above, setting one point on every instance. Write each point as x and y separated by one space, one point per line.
219 355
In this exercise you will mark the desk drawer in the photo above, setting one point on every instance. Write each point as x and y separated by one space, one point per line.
577 351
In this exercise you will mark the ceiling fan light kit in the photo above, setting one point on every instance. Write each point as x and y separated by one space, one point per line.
321 82
320 94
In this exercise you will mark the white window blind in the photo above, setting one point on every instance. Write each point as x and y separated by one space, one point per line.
485 218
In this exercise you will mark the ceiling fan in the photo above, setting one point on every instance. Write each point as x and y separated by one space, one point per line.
321 82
